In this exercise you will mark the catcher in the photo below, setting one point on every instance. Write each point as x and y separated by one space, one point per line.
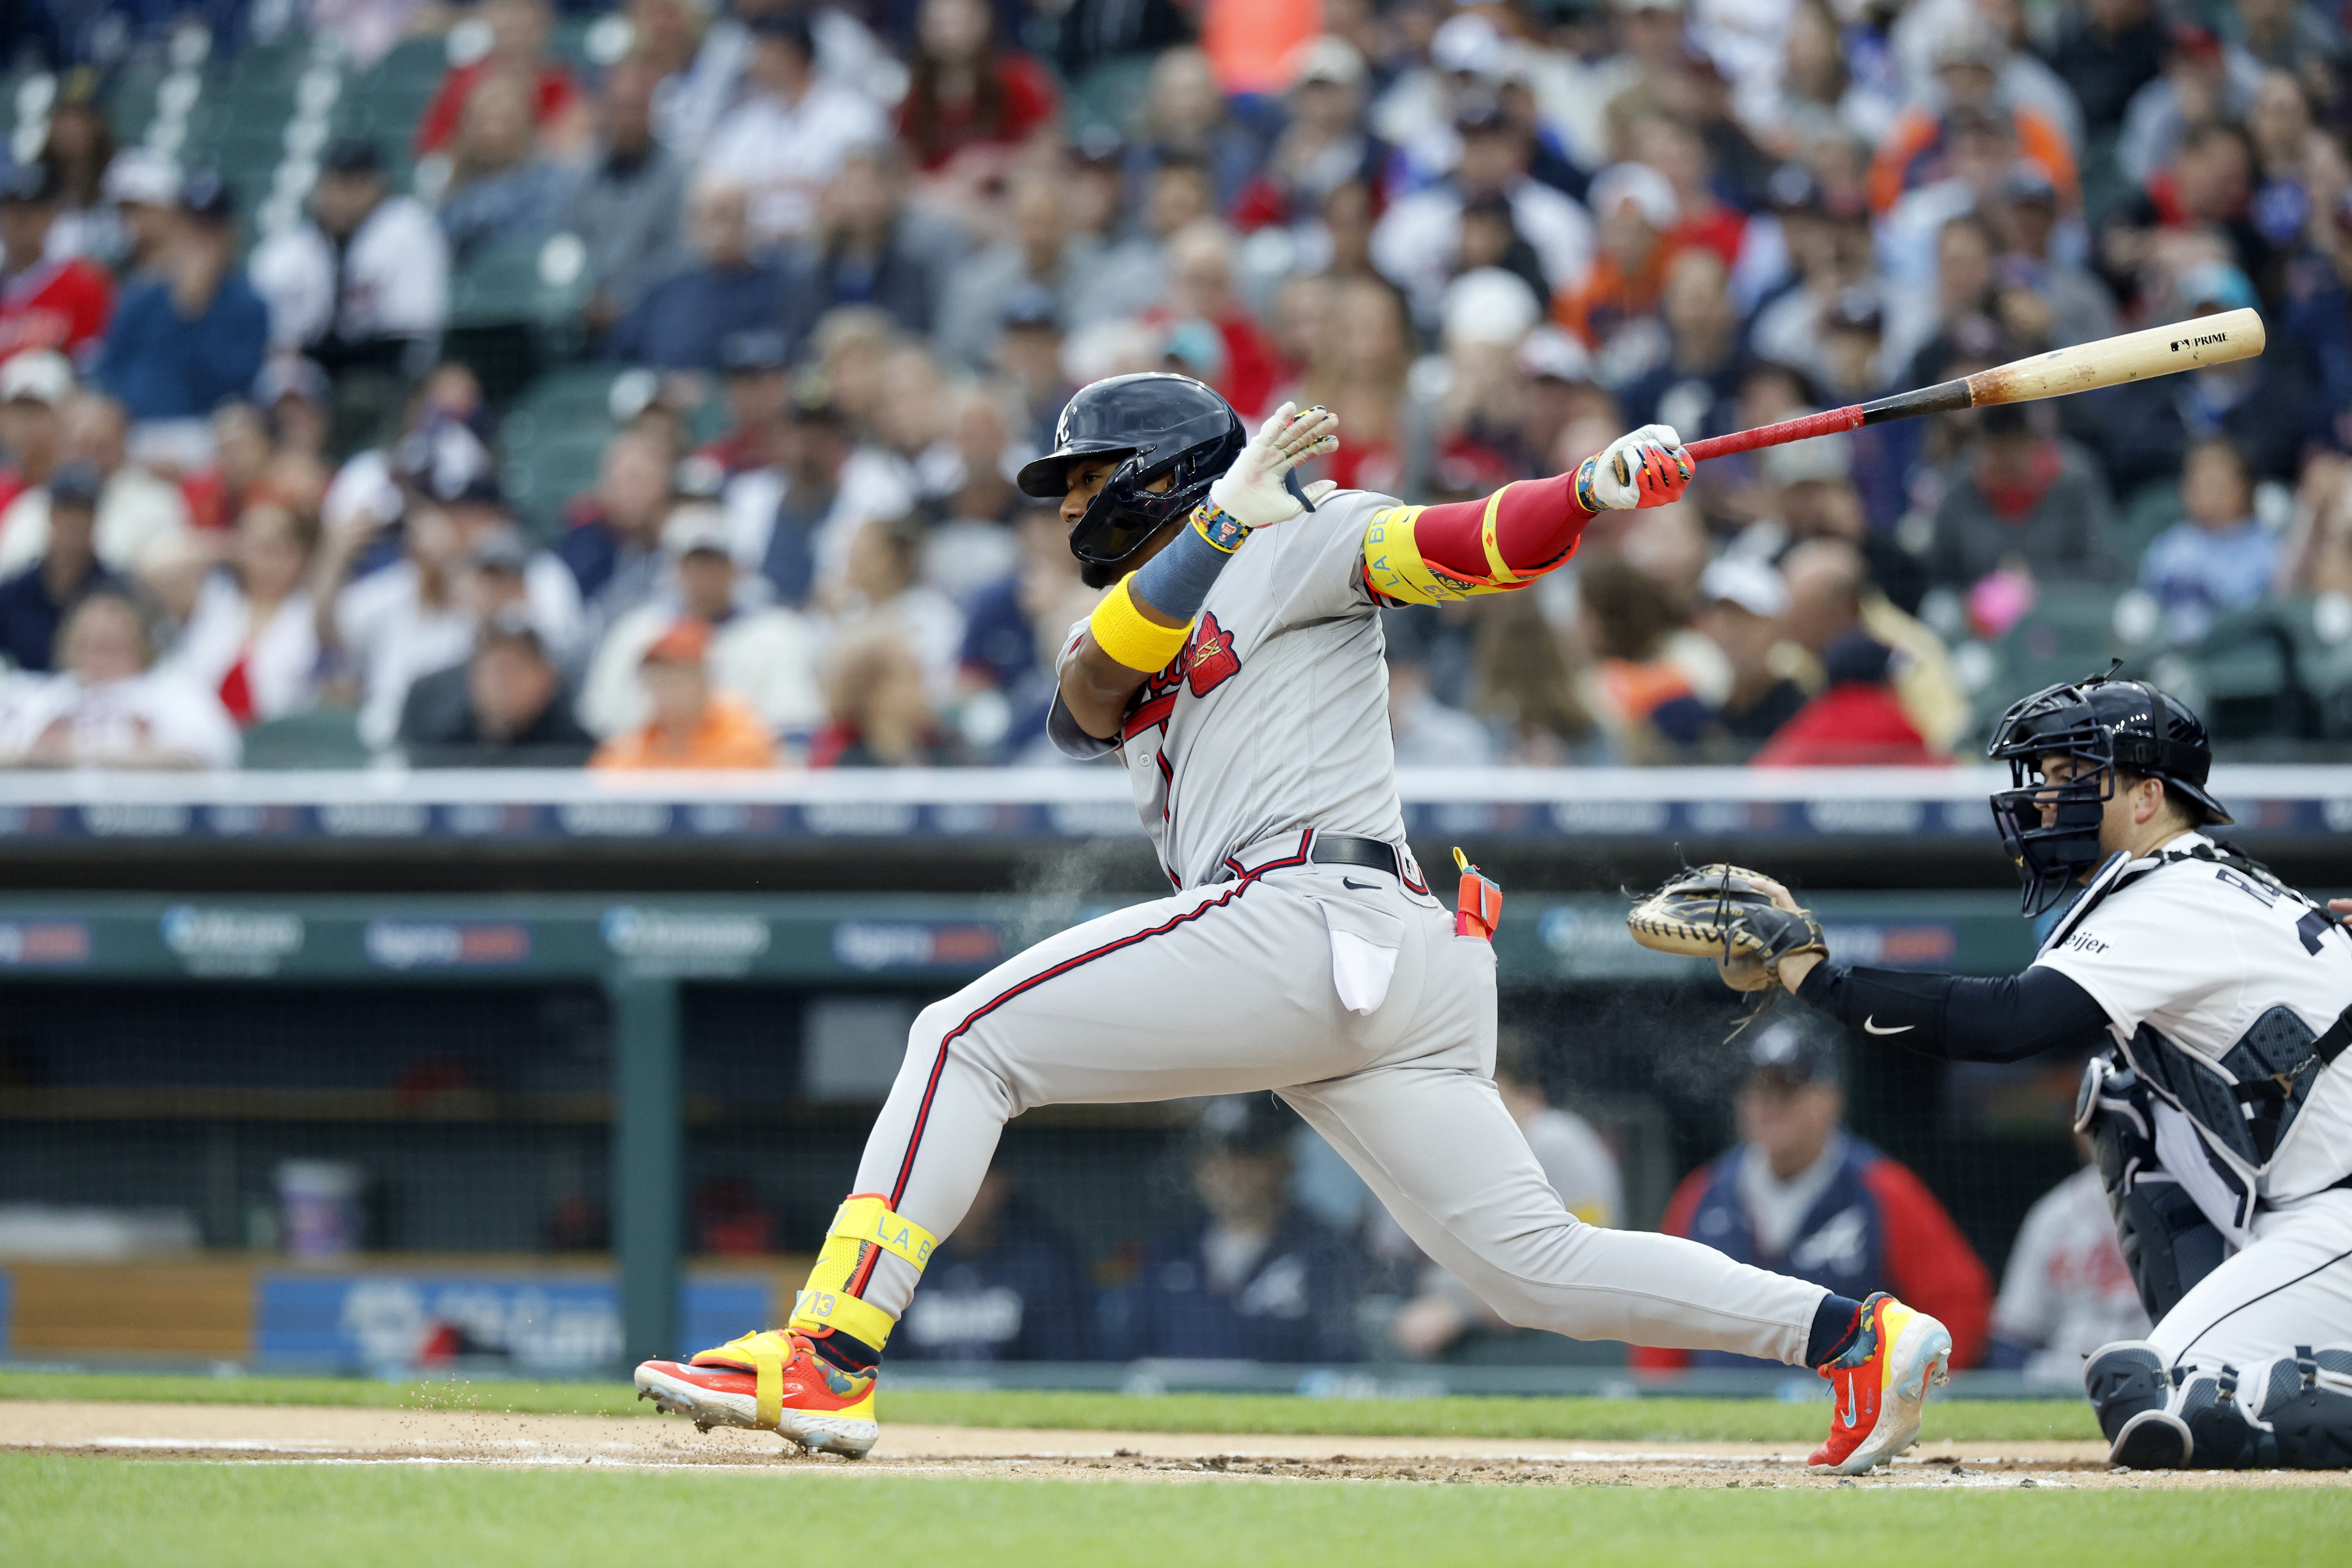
2218 1107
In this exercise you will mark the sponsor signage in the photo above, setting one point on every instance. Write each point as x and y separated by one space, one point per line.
399 1323
445 945
685 941
32 944
872 945
231 941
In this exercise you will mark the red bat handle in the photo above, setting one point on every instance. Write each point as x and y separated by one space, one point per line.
1847 418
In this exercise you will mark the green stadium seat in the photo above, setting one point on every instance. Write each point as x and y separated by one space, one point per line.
323 738
539 281
1110 93
2151 509
2249 671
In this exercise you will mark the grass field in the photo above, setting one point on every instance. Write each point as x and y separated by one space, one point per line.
1661 1420
95 1512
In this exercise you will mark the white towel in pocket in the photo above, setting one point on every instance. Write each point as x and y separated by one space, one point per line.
1364 942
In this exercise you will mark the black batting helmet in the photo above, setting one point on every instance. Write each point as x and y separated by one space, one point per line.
2109 728
1158 424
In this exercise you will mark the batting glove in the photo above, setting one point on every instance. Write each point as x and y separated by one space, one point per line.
1645 468
1251 492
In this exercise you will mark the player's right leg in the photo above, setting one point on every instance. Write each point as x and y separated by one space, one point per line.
2251 1367
1202 992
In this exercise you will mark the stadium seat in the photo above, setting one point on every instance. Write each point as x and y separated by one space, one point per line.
1112 94
2151 509
2250 671
323 738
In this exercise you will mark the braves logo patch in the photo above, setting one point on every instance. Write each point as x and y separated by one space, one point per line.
1209 658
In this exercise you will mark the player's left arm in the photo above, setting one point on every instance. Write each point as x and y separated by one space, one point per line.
1430 554
1958 1017
1930 1264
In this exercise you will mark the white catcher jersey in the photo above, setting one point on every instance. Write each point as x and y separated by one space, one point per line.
1274 716
2197 956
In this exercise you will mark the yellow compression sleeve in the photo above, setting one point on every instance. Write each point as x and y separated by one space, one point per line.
1394 567
825 1302
1120 630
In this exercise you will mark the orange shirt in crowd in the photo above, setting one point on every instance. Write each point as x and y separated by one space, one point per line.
1914 148
1251 43
730 736
1612 297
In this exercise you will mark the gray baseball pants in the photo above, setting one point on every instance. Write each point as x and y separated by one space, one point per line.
1229 989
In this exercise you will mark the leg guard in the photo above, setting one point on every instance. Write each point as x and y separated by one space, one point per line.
863 1229
2201 1425
2167 1241
2307 1403
2125 1379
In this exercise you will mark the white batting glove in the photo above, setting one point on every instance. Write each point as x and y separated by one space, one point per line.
1643 467
1251 492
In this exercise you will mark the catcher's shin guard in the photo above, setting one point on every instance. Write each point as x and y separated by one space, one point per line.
2201 1423
2305 1400
833 1301
2167 1241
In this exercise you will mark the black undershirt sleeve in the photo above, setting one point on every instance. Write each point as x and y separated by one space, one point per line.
1959 1018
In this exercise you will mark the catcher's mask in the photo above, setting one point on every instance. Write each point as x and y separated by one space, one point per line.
1156 423
2110 728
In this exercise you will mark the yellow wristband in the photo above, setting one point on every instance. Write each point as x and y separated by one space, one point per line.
1121 631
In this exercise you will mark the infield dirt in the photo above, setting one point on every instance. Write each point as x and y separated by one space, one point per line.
284 1434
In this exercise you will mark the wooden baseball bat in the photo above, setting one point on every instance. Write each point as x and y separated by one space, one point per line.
2128 356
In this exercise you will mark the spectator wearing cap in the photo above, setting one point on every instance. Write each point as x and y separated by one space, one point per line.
34 387
143 185
765 653
2080 307
1014 626
141 519
1130 276
683 319
1417 239
1802 1194
107 706
395 625
464 482
182 345
1825 254
2020 498
784 140
1633 209
2106 52
691 724
867 249
35 598
1857 719
613 536
1557 386
519 47
253 639
1007 1285
363 283
1741 604
2204 81
504 188
625 206
755 364
1259 1278
2205 189
1967 58
506 706
969 95
1029 355
1042 255
795 520
1324 144
46 302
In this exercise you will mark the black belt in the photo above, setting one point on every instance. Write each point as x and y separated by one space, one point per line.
1342 849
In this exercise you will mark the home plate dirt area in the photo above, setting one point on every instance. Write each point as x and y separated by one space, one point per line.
283 1434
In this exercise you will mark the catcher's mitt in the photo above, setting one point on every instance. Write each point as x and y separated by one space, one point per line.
1725 913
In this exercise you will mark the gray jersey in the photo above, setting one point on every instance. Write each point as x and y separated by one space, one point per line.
1275 716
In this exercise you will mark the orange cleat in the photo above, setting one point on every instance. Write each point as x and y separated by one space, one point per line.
1880 1385
774 1382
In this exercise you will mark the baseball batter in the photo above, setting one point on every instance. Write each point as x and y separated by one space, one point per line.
2219 1108
1236 667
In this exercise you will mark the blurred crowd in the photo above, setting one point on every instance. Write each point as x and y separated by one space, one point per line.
846 261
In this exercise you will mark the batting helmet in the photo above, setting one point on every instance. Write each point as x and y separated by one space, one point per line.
2109 728
1155 423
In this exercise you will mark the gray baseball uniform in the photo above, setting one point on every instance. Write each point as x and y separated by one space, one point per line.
1344 990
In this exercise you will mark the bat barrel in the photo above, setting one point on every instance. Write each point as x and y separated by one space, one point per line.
2197 344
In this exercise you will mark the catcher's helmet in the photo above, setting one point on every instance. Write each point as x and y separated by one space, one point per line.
2109 727
1158 423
